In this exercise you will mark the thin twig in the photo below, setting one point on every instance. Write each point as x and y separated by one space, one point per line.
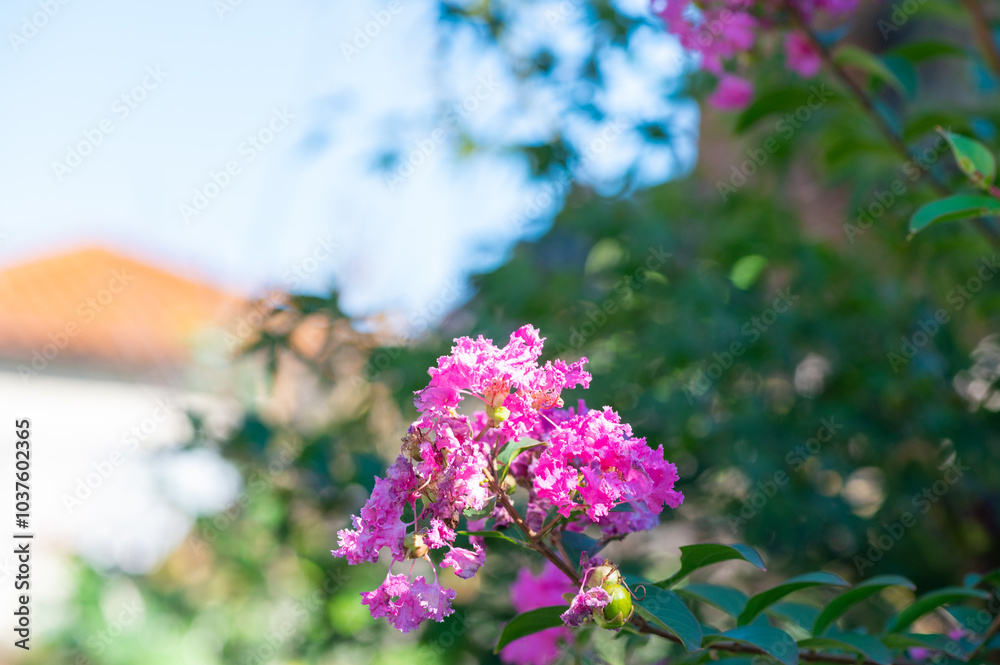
981 31
987 636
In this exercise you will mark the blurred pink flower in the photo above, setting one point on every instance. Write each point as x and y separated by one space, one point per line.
529 593
732 94
801 56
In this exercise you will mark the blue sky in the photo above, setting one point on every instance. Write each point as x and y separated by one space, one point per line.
268 119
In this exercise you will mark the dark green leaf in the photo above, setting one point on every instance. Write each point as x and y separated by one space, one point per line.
775 642
859 592
798 613
953 209
510 451
777 102
494 534
864 645
909 640
530 622
576 544
929 602
730 601
848 55
917 52
667 610
471 514
694 557
976 161
758 603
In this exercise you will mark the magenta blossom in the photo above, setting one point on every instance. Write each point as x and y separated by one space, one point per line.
579 467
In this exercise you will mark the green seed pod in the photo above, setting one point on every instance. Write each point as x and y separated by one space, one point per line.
619 610
605 573
497 414
415 546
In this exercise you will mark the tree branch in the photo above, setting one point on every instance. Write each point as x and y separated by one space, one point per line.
985 229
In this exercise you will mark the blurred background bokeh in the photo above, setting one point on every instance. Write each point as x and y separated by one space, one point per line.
235 234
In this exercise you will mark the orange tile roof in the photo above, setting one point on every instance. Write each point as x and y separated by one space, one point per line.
98 307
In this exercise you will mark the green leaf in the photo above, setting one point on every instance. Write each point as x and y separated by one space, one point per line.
909 640
746 271
773 641
471 514
667 610
917 52
530 622
494 534
694 557
510 451
929 602
863 645
976 161
848 55
859 592
778 102
576 544
953 209
758 603
730 601
798 613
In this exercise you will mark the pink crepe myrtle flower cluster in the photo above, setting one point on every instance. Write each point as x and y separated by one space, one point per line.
579 466
721 31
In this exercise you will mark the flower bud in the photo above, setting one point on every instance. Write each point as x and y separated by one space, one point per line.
414 545
497 414
508 484
618 610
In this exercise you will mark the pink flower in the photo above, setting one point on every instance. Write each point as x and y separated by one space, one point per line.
529 593
732 93
583 605
593 464
406 605
465 562
380 524
801 56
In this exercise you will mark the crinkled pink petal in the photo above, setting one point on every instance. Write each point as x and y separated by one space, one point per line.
583 605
